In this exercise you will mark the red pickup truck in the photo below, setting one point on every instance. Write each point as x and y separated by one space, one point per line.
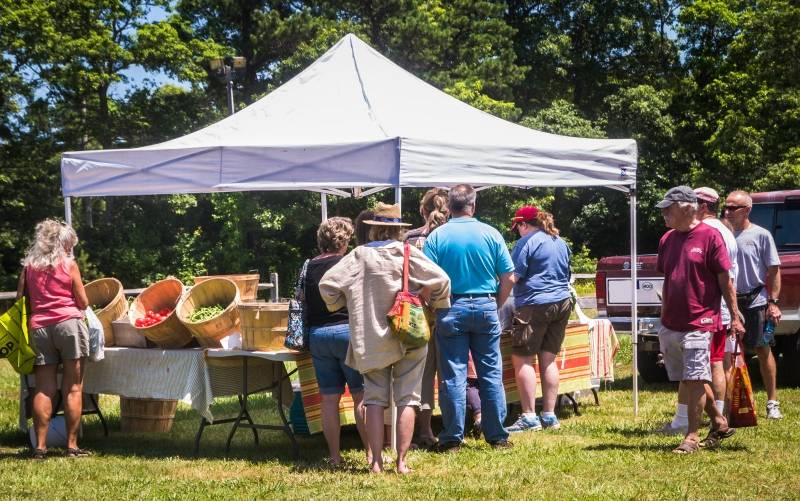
777 211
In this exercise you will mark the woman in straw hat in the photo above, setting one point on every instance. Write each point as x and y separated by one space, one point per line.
366 281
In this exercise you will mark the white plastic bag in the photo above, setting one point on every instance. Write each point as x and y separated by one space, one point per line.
97 342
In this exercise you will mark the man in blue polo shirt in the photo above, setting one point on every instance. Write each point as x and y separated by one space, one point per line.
476 258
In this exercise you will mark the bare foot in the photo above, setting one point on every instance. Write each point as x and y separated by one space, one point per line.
376 468
402 468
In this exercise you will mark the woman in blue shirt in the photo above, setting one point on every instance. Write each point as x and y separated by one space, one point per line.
543 305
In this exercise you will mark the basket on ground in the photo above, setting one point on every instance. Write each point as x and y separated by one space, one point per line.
107 294
246 283
263 325
211 292
146 414
170 332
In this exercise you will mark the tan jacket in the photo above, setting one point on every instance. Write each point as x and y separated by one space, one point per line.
366 281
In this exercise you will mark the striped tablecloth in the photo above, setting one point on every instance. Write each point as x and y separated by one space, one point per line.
573 362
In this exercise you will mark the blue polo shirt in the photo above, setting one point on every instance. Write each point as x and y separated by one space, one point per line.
541 264
473 255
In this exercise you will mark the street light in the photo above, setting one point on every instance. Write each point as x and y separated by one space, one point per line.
227 67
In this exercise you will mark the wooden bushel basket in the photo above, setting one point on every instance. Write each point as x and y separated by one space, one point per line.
170 332
263 325
108 294
246 283
211 292
146 414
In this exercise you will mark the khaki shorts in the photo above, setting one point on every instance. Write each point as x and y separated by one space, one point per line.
687 355
67 340
407 380
540 327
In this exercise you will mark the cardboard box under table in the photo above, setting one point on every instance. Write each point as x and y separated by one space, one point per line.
195 376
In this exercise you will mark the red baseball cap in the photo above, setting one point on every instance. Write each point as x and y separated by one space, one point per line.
527 214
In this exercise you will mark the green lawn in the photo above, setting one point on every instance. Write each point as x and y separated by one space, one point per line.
605 453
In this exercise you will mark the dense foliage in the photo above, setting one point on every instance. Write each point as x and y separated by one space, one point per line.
710 90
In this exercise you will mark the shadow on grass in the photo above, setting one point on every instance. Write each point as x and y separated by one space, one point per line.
179 442
658 448
626 383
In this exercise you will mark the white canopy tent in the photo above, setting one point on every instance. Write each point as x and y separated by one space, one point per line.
353 119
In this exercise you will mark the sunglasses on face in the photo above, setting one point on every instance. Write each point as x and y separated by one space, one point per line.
732 208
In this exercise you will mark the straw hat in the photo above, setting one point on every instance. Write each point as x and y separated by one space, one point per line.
386 215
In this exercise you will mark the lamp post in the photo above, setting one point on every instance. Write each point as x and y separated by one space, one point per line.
227 67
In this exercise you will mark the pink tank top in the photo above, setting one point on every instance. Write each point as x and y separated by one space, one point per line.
50 295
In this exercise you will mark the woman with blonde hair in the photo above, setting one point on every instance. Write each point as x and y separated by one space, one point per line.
52 283
543 305
366 281
434 211
329 337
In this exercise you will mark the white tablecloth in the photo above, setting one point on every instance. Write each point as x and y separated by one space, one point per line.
194 376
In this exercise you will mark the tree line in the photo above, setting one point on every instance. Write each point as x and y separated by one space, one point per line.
709 89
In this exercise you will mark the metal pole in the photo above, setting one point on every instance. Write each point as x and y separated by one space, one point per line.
324 202
68 210
398 197
229 83
634 304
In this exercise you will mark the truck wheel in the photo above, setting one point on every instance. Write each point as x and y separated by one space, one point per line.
649 368
789 363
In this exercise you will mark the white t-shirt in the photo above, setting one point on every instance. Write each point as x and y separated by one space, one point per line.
733 250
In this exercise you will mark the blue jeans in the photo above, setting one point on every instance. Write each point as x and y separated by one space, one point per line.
470 325
328 345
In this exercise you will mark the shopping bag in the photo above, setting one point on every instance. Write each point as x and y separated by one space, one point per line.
97 341
15 343
297 326
406 318
741 404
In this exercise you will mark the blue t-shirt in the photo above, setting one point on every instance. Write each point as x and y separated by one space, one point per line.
473 255
541 264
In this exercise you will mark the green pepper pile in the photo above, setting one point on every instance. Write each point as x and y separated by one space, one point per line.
206 313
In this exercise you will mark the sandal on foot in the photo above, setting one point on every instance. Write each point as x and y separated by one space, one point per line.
77 453
39 454
714 437
686 447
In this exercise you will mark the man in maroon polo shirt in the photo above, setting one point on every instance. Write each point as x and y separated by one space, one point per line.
693 258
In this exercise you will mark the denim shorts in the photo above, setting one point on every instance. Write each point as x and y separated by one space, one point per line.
754 335
328 345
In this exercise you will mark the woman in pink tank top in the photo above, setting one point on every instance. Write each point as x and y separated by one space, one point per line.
52 283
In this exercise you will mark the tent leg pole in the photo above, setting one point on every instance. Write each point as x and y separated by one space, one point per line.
324 203
68 210
634 305
398 197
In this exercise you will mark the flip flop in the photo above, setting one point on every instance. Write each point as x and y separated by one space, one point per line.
77 453
39 454
686 447
714 437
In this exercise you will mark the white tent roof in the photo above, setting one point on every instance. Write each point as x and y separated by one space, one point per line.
352 118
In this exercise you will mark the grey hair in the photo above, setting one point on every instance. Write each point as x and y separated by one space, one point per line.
461 196
52 243
692 205
748 200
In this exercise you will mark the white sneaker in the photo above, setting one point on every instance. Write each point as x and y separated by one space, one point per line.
774 410
670 429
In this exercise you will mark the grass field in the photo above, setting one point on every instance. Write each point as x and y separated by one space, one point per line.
604 453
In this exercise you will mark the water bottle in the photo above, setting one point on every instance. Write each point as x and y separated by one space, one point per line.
769 327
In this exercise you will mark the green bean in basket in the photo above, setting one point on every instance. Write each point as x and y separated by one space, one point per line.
206 313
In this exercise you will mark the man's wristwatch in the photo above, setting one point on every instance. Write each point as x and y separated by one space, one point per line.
772 301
